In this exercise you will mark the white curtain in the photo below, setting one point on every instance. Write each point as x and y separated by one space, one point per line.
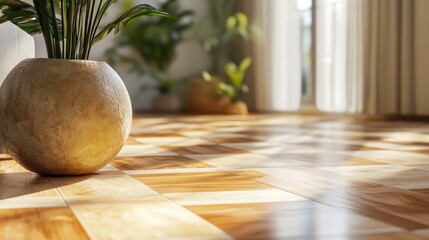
279 84
339 54
371 57
366 57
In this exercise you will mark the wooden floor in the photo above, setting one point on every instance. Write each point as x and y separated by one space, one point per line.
258 177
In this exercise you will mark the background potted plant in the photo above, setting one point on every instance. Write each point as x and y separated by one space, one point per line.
233 87
155 42
65 115
216 33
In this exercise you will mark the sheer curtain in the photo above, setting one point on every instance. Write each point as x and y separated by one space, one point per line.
339 55
279 84
371 57
366 57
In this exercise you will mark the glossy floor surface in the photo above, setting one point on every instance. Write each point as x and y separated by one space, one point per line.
257 177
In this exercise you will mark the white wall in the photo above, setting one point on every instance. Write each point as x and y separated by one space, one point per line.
191 59
15 46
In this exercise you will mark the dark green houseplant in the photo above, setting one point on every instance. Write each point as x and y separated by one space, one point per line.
65 115
70 27
155 42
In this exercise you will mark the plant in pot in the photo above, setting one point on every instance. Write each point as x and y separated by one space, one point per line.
231 89
65 115
155 41
216 33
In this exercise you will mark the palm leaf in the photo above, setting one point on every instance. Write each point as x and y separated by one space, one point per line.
21 14
127 17
71 36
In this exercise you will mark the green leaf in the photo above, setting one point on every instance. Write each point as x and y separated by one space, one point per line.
231 22
207 76
228 91
22 14
245 64
242 19
127 17
231 71
236 74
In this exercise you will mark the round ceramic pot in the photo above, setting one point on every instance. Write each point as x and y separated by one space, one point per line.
166 103
64 117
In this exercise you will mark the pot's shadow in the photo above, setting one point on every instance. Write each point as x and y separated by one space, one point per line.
25 183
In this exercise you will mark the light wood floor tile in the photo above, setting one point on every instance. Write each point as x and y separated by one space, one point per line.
394 157
11 166
38 224
156 219
391 175
25 185
423 233
116 206
272 148
5 156
32 202
102 186
328 159
232 197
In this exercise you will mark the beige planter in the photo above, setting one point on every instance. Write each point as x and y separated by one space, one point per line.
166 103
61 117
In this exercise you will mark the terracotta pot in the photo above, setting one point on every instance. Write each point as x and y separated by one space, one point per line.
64 117
238 108
166 103
202 98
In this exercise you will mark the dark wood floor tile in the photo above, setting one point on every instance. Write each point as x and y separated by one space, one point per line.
395 206
203 149
199 182
232 139
289 220
157 162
